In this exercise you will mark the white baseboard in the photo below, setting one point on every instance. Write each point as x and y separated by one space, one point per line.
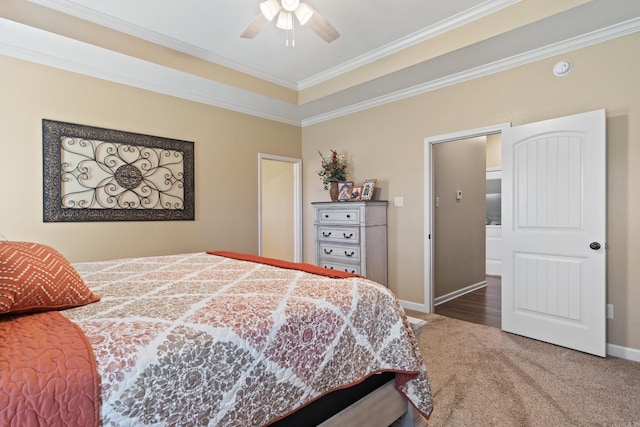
408 305
459 292
613 350
623 352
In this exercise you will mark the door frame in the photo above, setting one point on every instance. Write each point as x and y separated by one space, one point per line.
297 201
427 305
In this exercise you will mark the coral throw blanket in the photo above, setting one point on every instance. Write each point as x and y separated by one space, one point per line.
49 374
308 268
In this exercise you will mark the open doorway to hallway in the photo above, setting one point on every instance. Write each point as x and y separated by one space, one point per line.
477 298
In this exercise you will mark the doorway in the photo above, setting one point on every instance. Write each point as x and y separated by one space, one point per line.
466 235
554 182
280 207
430 202
459 217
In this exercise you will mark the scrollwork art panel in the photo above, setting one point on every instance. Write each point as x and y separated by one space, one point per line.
96 174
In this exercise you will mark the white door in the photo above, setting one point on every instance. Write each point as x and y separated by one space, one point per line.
554 231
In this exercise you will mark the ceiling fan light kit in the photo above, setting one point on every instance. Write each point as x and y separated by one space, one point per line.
285 21
284 11
270 9
303 13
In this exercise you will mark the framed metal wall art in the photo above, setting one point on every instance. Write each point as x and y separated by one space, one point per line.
96 174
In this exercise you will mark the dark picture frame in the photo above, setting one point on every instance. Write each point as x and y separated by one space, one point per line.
344 191
97 174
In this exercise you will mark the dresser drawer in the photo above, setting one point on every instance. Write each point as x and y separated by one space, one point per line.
339 234
355 269
339 216
348 253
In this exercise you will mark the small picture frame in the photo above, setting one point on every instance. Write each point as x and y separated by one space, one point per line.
344 191
356 193
367 189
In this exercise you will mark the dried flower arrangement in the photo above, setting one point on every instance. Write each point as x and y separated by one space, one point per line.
334 168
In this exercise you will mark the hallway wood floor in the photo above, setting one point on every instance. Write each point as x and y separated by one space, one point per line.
482 306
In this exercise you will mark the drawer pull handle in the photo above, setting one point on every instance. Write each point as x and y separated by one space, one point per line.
326 215
349 254
330 268
347 271
326 234
345 235
348 216
328 252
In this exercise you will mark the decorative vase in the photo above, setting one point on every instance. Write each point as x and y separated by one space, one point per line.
333 191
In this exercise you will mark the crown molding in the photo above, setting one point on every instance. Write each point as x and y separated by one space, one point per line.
569 45
38 46
459 20
73 8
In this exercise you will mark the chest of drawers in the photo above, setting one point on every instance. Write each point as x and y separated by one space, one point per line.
352 236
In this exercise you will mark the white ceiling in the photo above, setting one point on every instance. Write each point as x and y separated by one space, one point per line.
370 30
210 29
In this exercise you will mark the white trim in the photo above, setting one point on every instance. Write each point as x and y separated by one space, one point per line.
297 202
613 350
463 18
408 305
74 9
627 353
469 133
428 191
35 45
455 294
42 47
86 13
575 43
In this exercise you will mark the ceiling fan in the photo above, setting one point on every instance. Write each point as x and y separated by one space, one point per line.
284 11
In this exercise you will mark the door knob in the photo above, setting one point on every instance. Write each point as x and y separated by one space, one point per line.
595 246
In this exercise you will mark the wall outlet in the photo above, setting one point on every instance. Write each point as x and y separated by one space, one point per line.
609 311
398 201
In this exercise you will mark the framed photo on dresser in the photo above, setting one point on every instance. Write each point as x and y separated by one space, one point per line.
356 193
367 189
344 191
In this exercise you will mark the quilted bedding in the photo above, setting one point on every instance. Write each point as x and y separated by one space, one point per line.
48 375
200 339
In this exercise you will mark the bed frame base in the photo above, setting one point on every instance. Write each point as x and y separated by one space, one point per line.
382 408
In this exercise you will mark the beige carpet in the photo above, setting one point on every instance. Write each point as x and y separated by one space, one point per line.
481 376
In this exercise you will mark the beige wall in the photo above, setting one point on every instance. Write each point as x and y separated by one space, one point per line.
384 143
226 168
494 151
458 225
387 143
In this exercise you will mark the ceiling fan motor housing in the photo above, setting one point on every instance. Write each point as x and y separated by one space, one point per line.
284 10
290 5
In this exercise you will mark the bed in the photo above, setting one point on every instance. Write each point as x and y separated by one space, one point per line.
207 339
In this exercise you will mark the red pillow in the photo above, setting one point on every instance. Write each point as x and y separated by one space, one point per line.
35 277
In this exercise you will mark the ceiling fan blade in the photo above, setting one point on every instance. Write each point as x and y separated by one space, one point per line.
257 25
323 28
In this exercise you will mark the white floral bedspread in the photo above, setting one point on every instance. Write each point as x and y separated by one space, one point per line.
203 340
